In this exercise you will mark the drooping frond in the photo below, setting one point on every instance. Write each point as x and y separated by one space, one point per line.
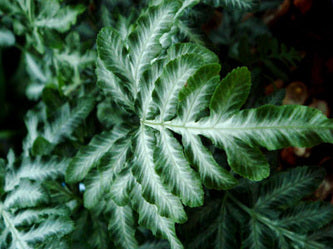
289 224
67 120
25 218
288 187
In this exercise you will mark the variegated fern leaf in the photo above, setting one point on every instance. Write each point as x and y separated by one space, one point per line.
26 219
65 120
141 164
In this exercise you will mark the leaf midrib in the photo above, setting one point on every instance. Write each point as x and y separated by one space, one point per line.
154 124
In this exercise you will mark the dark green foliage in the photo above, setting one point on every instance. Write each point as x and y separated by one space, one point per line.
269 214
133 130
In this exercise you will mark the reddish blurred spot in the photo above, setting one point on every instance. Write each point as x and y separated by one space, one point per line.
303 5
272 87
288 156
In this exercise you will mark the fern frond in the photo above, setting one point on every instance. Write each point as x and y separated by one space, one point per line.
36 170
54 16
153 187
38 225
285 231
306 217
279 226
288 187
121 225
27 219
268 126
102 179
88 156
144 41
149 217
68 120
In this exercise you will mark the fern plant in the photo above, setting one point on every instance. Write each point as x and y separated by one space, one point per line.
162 111
269 215
163 92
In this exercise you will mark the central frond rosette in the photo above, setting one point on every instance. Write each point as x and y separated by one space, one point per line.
176 89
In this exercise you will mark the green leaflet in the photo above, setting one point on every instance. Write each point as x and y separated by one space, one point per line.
153 188
144 41
121 225
54 16
150 218
176 172
68 120
90 155
102 179
36 170
7 38
113 61
231 94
